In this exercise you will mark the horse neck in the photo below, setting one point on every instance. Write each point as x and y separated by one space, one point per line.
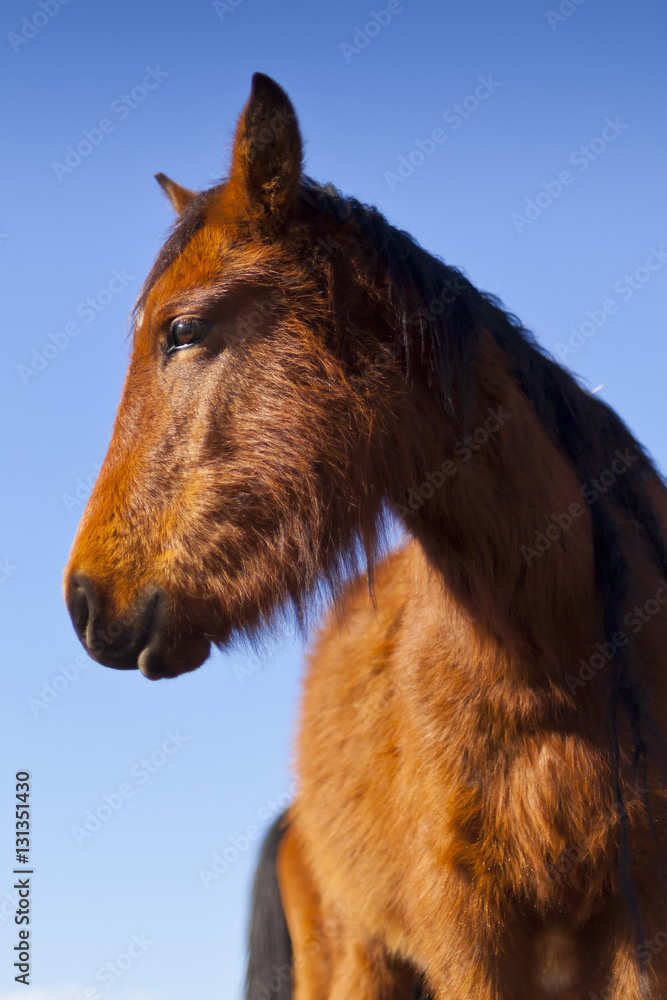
485 499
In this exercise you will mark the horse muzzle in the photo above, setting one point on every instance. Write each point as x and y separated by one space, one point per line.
142 638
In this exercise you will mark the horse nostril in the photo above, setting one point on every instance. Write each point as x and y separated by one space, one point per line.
81 604
114 642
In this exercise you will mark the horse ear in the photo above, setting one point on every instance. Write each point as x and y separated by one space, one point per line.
177 195
266 163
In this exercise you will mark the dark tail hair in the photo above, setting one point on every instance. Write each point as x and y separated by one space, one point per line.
269 975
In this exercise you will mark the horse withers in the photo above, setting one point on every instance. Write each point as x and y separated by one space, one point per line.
480 757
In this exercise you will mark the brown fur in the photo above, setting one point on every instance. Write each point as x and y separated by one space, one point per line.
459 807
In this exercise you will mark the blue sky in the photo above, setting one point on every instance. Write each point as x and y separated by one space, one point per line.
523 141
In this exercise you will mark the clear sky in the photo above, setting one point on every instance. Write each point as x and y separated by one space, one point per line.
521 141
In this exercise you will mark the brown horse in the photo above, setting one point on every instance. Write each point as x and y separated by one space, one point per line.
482 792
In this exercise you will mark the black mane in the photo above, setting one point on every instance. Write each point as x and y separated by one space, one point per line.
587 430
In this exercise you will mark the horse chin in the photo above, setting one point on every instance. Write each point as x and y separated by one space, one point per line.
157 660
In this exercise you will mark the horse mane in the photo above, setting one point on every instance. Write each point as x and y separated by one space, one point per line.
585 429
443 343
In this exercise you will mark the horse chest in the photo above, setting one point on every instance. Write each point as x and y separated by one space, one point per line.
534 819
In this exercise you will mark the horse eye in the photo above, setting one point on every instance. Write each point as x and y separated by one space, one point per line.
186 331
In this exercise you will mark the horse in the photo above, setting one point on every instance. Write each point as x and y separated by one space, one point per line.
480 757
